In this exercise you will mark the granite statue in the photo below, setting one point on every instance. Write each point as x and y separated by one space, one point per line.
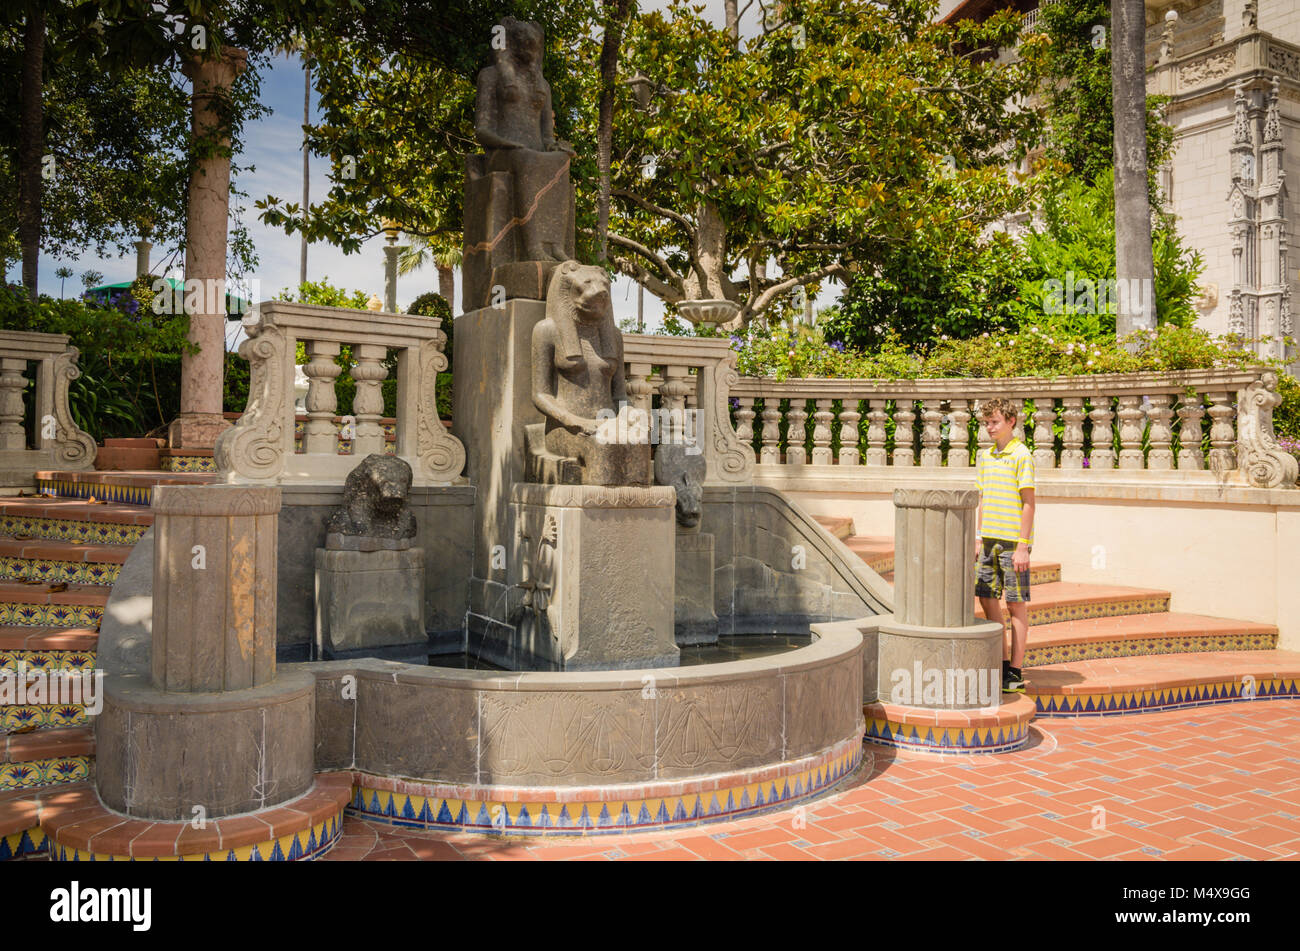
518 198
677 466
376 511
577 355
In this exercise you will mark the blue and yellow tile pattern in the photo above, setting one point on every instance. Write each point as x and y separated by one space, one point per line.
608 815
1165 698
301 846
43 772
28 716
47 570
1147 646
104 491
47 660
188 464
26 842
20 614
71 530
928 738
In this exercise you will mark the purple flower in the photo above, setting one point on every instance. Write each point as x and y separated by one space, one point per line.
737 341
735 403
1085 462
837 346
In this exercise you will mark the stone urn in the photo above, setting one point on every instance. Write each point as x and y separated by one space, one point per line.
708 313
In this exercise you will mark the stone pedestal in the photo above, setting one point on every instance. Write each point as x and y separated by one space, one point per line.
213 730
933 653
370 603
590 582
696 622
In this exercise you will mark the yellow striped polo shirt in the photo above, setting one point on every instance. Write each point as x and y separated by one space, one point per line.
1000 475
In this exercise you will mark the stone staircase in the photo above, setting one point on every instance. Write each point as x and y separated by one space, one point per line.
1101 650
60 553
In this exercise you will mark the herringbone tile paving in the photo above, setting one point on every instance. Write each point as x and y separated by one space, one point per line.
1218 782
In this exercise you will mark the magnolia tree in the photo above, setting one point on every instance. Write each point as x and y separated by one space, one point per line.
749 170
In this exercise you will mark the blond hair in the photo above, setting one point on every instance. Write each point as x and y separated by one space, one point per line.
999 405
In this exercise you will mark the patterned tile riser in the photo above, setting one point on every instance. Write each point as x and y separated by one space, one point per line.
27 842
1170 698
1095 609
71 530
600 817
42 716
345 447
50 615
949 740
30 774
105 492
73 572
188 464
301 846
1145 647
47 660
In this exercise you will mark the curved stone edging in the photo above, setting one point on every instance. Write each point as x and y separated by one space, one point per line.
500 810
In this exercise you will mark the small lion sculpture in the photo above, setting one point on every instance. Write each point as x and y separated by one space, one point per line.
375 504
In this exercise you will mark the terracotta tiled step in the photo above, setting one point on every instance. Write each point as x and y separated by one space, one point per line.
46 757
999 729
1161 682
841 528
1040 573
1144 634
72 520
23 605
301 828
133 487
48 560
47 639
1065 601
20 812
876 550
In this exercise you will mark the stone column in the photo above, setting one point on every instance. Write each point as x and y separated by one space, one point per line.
214 587
933 653
12 383
200 420
391 251
142 249
208 727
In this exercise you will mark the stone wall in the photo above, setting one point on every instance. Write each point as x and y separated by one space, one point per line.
444 515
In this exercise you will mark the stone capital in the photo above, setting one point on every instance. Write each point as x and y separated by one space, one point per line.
936 497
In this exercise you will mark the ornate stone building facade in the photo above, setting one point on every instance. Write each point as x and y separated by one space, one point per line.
1231 70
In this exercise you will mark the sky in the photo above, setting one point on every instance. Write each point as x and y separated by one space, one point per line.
273 157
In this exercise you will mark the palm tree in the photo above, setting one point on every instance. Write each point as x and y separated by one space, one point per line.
1134 267
446 256
62 274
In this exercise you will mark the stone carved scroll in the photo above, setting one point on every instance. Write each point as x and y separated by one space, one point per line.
1264 464
73 448
731 459
441 455
253 450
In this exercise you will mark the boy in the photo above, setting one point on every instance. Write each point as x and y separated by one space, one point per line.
1004 530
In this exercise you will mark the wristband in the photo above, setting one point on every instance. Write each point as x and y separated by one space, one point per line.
1023 541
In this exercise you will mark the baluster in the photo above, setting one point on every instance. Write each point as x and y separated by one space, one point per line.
672 402
1161 455
1190 412
904 454
959 434
1072 416
12 384
368 404
1044 440
796 433
745 421
822 419
983 440
1223 440
931 435
1130 432
770 455
849 418
1018 430
639 388
876 435
1103 435
319 434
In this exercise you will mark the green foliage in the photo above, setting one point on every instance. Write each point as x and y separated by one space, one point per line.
1080 118
1077 244
130 358
433 304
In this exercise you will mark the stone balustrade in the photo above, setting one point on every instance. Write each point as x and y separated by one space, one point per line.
676 374
260 448
1251 52
57 442
1217 423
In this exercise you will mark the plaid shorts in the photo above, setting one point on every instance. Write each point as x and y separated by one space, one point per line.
997 574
